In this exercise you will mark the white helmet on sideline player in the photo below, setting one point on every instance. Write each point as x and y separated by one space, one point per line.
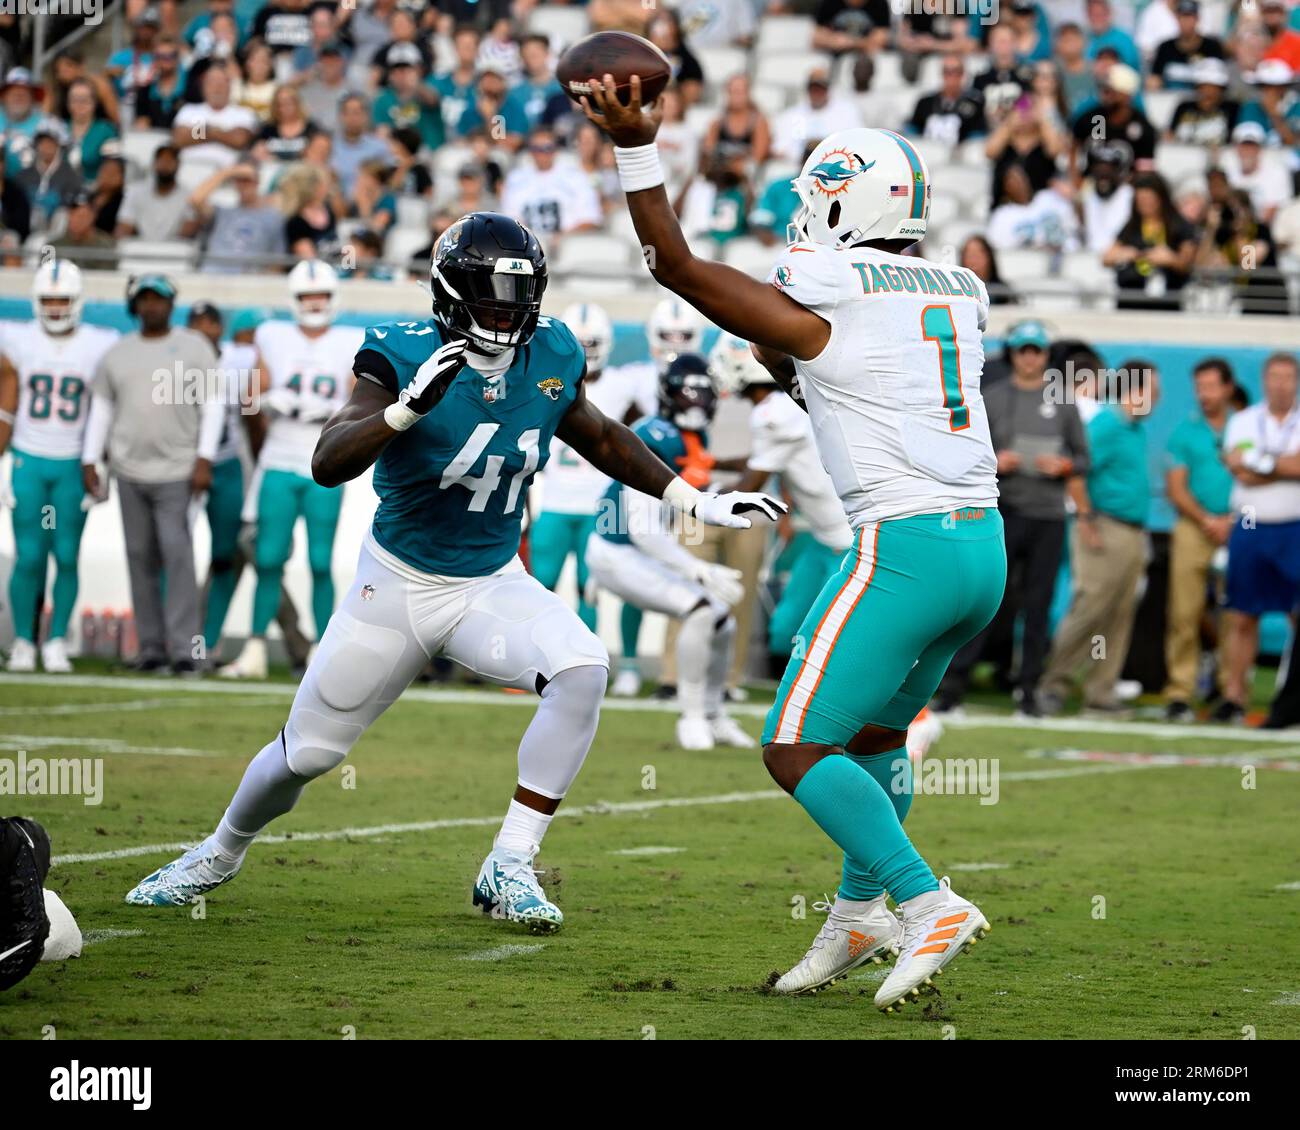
674 328
862 184
313 277
734 366
594 331
57 279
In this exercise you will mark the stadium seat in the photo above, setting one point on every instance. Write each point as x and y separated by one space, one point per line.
771 99
888 74
698 118
783 34
1178 162
930 74
788 70
886 109
138 146
402 243
1020 264
592 254
972 153
1160 105
1087 271
720 63
562 23
136 256
1049 293
936 153
412 212
750 256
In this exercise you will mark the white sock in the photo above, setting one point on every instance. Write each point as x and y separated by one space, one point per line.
522 829
853 908
694 650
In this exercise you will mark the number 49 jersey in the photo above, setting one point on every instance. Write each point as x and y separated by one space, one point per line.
895 397
54 375
452 488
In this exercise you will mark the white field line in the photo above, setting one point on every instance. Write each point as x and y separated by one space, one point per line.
136 704
433 695
500 953
17 743
1287 887
94 937
648 851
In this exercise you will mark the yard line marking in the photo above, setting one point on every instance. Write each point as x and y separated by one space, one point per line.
1287 887
438 696
136 704
94 937
1256 758
18 743
500 953
1288 998
977 866
650 850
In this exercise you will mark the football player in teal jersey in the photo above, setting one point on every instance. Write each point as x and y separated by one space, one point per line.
456 414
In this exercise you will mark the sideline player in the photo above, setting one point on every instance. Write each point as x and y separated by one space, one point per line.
456 413
886 352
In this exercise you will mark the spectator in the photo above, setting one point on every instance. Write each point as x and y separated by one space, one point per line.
952 114
367 257
538 96
483 114
812 119
107 193
1210 117
355 142
715 204
977 255
1106 199
20 114
1262 450
1109 551
1275 107
410 176
1078 84
1027 138
778 203
157 102
198 32
665 32
1008 78
1154 251
679 145
367 27
406 101
720 23
242 238
161 452
132 66
68 67
82 242
1040 445
325 87
1156 24
1115 120
89 132
1103 33
215 131
1048 220
455 87
310 230
1286 228
49 181
740 132
930 29
254 86
470 192
223 53
283 25
1239 245
595 158
404 37
851 27
1176 59
1283 41
1261 173
155 208
498 51
323 35
15 214
1032 31
551 198
1199 487
372 201
285 136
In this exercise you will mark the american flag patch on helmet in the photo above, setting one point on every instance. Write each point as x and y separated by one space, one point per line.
899 190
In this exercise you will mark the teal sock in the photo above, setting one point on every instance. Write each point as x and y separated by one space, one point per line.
849 805
266 598
221 590
322 599
892 771
630 629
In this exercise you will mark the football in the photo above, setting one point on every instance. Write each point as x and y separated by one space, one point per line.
617 53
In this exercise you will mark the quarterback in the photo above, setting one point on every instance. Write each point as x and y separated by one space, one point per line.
885 352
456 413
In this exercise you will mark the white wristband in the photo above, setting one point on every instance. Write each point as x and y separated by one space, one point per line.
681 494
399 417
638 167
6 417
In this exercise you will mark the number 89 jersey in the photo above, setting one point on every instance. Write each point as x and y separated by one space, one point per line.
452 488
54 376
895 397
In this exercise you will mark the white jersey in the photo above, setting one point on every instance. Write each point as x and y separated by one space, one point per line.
783 444
54 375
557 200
312 370
571 485
236 363
894 398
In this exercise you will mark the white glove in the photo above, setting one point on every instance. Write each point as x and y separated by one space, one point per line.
313 409
720 581
728 509
279 402
430 384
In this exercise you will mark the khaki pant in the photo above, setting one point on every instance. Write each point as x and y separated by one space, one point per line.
737 549
1190 554
1099 624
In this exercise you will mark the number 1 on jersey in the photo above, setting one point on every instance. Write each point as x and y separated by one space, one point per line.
937 326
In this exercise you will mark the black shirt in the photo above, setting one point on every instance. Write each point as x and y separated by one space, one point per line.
949 121
1173 66
1137 134
1193 126
283 29
1001 86
283 148
856 21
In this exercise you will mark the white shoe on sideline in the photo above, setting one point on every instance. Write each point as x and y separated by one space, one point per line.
627 684
727 731
249 664
694 732
54 657
22 657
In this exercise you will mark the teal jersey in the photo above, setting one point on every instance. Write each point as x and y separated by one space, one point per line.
667 441
1118 483
452 487
1195 445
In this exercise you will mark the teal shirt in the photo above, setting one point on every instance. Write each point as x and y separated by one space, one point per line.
452 488
92 147
1198 447
390 111
665 439
1118 480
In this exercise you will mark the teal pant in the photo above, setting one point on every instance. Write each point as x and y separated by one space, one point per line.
879 637
552 538
225 501
48 520
283 499
814 565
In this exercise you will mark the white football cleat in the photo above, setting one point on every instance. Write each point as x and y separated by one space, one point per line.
54 657
925 730
249 664
507 888
727 731
847 939
627 684
22 657
694 732
183 880
937 926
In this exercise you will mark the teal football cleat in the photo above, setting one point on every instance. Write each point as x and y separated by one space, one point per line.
183 880
507 887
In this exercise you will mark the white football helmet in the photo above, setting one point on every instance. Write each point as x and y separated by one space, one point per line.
312 276
594 331
57 279
674 328
862 184
734 366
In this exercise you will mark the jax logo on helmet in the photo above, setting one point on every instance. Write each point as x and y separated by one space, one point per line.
836 170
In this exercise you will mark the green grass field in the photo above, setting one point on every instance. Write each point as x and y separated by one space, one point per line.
356 924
